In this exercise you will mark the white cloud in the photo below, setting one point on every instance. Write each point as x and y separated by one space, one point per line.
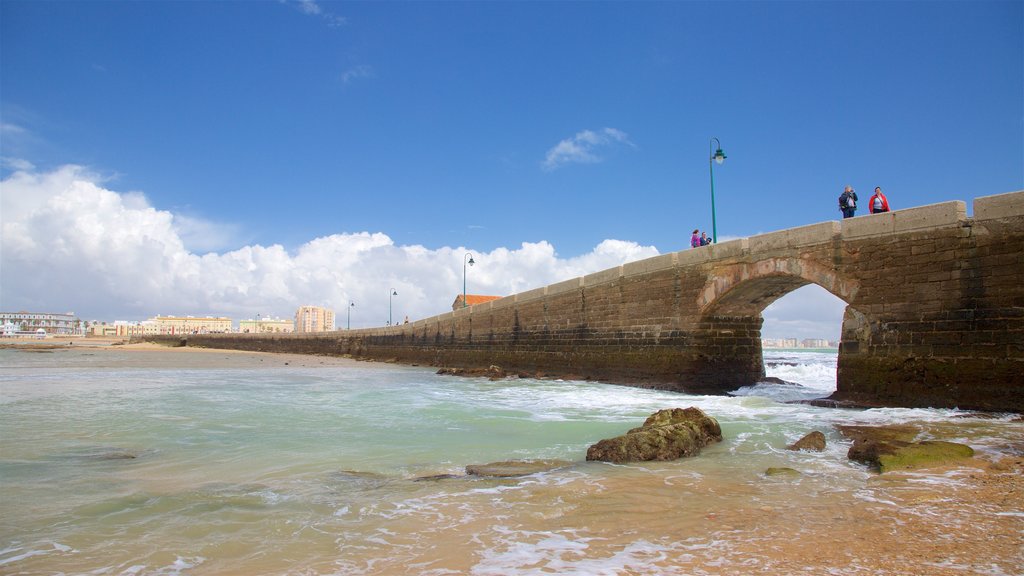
312 8
69 243
582 148
355 73
16 164
11 129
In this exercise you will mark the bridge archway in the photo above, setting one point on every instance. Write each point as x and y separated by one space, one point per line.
731 303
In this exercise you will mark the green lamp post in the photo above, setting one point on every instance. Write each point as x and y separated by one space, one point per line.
717 157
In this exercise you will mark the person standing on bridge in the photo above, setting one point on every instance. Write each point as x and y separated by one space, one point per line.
878 203
694 240
848 202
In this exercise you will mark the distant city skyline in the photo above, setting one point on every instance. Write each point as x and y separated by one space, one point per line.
232 158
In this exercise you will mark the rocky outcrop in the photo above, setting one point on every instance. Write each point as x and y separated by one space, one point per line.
665 435
888 448
813 442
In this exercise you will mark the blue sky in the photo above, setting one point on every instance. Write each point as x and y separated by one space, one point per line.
403 135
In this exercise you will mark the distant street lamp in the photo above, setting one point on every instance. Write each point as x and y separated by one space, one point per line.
717 156
348 310
391 293
470 256
257 323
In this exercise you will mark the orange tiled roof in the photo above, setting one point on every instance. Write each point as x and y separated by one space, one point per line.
473 299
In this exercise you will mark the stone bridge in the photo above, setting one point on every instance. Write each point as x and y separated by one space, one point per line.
934 316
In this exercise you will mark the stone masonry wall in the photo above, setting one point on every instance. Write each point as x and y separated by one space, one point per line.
935 313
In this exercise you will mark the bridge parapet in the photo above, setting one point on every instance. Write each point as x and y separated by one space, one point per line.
999 206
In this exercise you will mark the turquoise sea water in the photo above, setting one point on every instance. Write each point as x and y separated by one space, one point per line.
133 462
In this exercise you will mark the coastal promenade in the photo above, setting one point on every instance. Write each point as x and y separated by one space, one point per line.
934 316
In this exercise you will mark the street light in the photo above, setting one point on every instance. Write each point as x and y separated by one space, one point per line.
719 157
257 323
470 256
348 311
392 293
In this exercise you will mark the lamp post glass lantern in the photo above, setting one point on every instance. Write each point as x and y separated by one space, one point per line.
348 314
717 157
470 256
391 293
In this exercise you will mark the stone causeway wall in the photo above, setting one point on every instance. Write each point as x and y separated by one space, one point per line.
935 313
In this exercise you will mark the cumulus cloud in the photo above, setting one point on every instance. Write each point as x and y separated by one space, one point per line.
583 147
71 244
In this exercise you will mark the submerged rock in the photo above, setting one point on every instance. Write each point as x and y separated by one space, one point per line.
813 442
781 471
665 435
888 448
436 477
512 468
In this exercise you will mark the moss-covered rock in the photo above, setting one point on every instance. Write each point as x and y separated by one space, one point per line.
888 448
924 454
665 435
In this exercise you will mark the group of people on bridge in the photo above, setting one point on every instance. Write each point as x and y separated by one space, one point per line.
877 204
848 202
697 241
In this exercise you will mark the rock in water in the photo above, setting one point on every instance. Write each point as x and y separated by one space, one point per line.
665 435
781 471
513 468
814 442
893 447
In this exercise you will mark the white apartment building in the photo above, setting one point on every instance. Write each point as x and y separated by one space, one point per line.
314 319
48 321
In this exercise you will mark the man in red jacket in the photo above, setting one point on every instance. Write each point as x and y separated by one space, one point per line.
878 202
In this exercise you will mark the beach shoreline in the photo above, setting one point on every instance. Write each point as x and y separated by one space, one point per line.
151 354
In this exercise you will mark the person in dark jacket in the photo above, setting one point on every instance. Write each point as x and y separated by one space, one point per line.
848 202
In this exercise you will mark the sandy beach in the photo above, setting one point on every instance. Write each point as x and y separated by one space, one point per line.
151 355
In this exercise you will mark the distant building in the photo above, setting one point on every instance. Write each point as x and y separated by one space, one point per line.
191 324
266 325
472 300
778 343
46 321
314 319
794 343
144 328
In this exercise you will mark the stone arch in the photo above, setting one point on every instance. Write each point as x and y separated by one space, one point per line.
746 289
727 336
